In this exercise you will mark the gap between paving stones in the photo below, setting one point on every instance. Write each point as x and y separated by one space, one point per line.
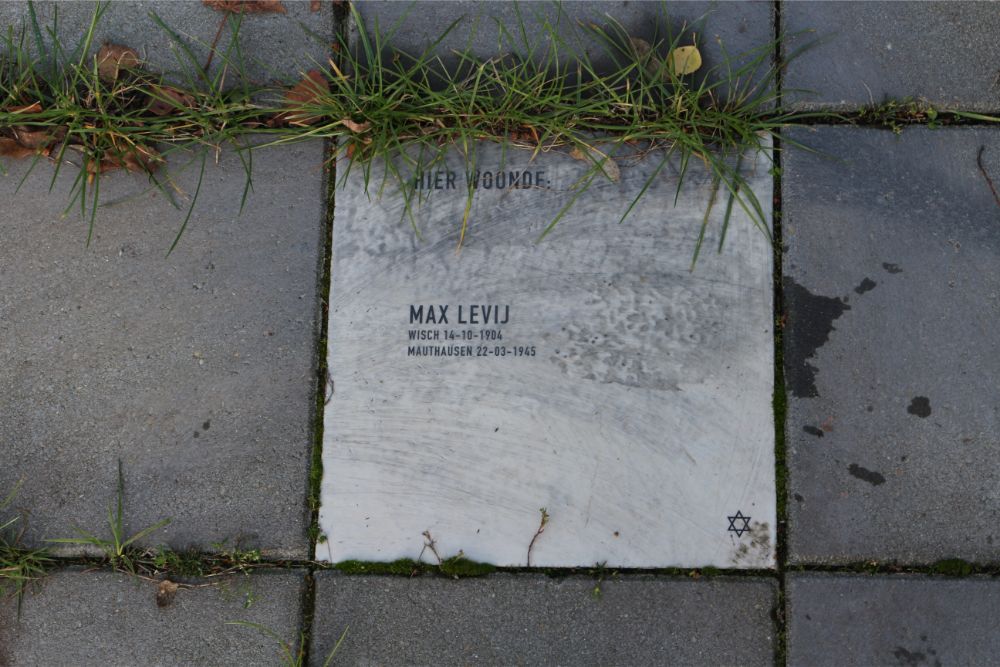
779 400
324 382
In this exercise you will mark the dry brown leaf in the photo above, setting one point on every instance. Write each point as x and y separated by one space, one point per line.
640 46
644 52
34 107
165 593
10 148
37 138
164 100
247 6
143 159
596 157
112 58
314 6
357 128
307 91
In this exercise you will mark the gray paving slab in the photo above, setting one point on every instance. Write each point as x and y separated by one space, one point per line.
275 46
846 620
868 52
892 296
196 370
77 617
724 30
533 619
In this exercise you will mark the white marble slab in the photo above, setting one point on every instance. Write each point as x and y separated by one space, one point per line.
628 396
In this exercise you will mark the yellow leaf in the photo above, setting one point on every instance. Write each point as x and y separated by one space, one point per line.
684 60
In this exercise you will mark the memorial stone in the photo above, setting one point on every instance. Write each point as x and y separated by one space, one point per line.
587 397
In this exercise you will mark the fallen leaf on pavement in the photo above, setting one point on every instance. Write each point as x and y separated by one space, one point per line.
34 107
10 148
144 159
314 5
113 58
357 128
684 60
307 91
164 100
37 138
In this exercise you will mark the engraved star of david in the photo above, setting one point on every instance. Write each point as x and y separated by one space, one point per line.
738 529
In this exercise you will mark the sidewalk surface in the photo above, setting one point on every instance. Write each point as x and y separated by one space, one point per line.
199 373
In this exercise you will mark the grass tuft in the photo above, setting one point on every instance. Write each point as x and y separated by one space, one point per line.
292 654
395 115
97 108
20 566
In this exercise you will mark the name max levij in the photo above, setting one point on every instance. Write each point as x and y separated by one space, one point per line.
472 314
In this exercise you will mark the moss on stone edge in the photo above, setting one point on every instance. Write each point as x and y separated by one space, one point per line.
456 567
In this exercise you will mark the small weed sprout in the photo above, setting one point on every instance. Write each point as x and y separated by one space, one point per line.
291 656
543 521
179 563
600 573
119 549
236 559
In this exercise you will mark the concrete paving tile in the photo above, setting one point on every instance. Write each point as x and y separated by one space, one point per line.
892 297
534 619
101 618
275 47
196 370
862 620
868 52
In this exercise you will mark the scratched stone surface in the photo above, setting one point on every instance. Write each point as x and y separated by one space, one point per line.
893 303
293 41
591 373
861 53
195 370
93 618
862 620
739 32
531 619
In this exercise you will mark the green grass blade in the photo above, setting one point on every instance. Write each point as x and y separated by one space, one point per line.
180 232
